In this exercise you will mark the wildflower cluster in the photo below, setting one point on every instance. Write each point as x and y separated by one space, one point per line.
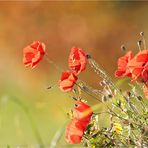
126 112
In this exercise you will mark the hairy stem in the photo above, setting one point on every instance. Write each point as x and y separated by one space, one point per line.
101 72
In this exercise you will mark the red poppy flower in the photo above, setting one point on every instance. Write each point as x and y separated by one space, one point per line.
33 54
82 112
122 65
67 81
76 128
145 90
74 132
139 66
144 74
77 60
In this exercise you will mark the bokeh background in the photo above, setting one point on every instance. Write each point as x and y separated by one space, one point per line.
98 27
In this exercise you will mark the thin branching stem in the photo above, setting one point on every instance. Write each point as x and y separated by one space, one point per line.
101 72
88 93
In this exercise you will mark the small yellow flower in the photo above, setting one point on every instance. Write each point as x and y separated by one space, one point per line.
118 128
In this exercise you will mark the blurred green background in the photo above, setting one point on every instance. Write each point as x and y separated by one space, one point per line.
98 27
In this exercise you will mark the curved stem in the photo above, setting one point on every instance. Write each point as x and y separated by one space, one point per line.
32 122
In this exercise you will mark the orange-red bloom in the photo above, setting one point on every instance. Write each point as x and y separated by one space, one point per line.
33 54
145 90
123 61
139 66
77 60
67 81
74 132
82 111
81 117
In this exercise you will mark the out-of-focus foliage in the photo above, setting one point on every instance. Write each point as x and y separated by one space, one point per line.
98 27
